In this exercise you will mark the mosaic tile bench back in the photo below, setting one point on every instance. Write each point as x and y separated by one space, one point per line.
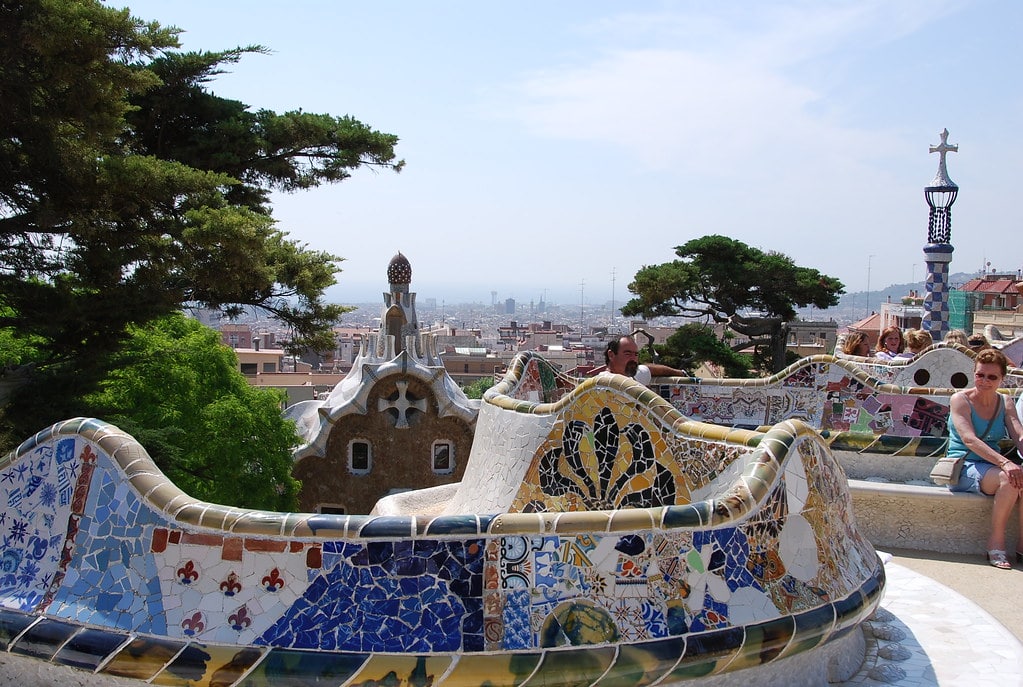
901 401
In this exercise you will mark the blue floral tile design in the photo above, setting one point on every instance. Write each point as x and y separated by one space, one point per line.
517 634
37 491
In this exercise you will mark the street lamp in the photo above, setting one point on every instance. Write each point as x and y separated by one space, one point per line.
940 195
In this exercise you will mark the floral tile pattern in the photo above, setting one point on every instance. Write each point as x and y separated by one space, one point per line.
44 496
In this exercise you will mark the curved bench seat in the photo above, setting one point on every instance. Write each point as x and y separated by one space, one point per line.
923 517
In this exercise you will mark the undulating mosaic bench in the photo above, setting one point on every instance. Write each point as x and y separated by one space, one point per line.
599 537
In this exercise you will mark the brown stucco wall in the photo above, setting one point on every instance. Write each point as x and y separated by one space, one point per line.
401 458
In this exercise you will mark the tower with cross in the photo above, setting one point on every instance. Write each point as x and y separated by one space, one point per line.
396 422
940 195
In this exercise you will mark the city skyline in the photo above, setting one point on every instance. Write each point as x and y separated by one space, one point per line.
551 146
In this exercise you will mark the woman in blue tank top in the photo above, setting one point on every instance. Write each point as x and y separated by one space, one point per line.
981 417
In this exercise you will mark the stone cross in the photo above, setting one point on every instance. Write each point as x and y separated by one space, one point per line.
403 404
942 178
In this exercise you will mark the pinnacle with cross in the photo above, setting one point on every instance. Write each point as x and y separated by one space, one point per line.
942 179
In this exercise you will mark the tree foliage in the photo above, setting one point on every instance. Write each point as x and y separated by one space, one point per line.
180 120
755 293
696 343
479 387
129 191
177 389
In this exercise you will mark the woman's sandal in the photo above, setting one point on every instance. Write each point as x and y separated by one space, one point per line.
997 558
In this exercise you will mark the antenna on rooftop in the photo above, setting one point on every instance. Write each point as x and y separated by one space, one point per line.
582 308
612 298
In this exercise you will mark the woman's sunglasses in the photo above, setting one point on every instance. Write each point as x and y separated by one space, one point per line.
990 378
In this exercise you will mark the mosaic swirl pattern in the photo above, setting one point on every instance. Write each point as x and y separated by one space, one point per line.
637 546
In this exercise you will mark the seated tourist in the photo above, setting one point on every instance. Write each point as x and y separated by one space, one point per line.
977 342
622 357
956 336
856 343
981 417
890 343
916 341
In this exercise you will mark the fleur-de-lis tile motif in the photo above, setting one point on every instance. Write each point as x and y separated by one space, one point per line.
187 574
240 619
193 625
231 585
273 582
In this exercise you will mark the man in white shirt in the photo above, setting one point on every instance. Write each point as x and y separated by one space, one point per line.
622 357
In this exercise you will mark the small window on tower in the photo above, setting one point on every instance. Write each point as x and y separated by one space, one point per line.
360 457
443 457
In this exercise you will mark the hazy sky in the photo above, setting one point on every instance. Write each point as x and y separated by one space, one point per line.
556 147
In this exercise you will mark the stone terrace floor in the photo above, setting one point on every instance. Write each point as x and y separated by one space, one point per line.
946 619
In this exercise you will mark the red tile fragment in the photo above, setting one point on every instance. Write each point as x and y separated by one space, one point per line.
232 550
266 545
202 539
159 544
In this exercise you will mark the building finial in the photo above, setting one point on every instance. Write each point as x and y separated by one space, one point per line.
399 270
941 179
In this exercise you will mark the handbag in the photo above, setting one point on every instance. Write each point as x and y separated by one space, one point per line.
948 468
